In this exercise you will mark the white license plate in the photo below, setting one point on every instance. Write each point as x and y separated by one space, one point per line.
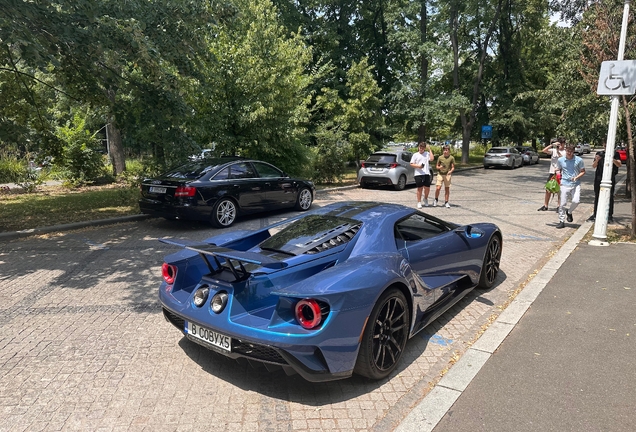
213 338
377 169
155 189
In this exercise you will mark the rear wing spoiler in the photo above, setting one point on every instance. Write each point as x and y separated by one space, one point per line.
207 250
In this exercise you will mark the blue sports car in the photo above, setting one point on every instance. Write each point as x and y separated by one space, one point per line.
329 293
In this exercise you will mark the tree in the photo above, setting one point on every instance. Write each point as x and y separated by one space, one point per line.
105 53
470 40
253 100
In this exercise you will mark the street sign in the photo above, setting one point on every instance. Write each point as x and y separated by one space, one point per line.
617 78
486 132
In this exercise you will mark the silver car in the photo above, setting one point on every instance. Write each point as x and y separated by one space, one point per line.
529 155
507 157
387 168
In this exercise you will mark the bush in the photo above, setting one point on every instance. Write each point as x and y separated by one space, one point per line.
80 162
329 156
10 167
137 170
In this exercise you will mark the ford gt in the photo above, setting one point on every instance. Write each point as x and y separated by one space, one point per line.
329 293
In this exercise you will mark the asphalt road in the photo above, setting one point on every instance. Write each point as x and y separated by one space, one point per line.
84 346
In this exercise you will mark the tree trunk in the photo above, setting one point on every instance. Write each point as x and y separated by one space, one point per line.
115 146
116 149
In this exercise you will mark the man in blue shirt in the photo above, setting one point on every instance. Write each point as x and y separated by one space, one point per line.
572 169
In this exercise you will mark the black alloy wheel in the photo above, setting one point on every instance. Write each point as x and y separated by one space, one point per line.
492 259
304 200
401 184
385 336
224 213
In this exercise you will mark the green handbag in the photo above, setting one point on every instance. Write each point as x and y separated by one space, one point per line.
552 186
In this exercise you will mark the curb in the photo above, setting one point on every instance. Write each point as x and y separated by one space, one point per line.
430 411
12 235
425 416
71 226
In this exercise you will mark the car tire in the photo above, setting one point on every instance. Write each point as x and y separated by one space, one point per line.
490 266
363 184
304 199
384 337
224 213
401 184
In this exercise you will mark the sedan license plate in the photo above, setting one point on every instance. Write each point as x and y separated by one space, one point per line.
155 189
211 337
377 169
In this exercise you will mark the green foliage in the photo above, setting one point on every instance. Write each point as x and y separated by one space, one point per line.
329 156
253 101
137 170
10 167
80 161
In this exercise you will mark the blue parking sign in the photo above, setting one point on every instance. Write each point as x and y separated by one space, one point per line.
486 132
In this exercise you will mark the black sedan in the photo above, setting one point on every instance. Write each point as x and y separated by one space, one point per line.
218 190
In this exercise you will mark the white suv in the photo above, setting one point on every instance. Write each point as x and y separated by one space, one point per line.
581 148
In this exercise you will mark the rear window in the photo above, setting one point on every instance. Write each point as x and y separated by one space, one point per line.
382 158
195 170
308 232
499 150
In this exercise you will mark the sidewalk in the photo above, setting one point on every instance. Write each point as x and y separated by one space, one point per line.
559 358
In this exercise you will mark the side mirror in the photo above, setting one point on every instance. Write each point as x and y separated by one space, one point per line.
470 232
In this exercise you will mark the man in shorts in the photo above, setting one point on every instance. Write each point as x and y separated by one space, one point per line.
420 161
445 167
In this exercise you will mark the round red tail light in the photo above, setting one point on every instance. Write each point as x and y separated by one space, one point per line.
169 272
308 314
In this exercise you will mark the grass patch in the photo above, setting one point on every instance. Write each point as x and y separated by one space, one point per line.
58 205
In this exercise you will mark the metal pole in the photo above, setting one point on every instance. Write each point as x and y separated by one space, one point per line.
600 225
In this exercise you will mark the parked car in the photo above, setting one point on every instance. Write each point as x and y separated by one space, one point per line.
582 148
218 190
529 155
205 153
326 294
387 168
507 157
622 153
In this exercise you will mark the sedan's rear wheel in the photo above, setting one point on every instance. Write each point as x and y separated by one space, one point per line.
490 267
401 184
224 213
384 336
304 200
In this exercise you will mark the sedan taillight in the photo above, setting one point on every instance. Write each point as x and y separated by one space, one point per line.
363 165
393 165
169 272
185 191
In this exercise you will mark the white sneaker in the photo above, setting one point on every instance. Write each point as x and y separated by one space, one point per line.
435 203
425 202
447 205
419 205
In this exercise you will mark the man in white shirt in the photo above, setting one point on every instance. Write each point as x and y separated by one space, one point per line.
420 161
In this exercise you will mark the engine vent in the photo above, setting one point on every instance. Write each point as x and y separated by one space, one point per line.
336 240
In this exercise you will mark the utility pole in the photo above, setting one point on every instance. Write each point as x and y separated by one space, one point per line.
615 85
